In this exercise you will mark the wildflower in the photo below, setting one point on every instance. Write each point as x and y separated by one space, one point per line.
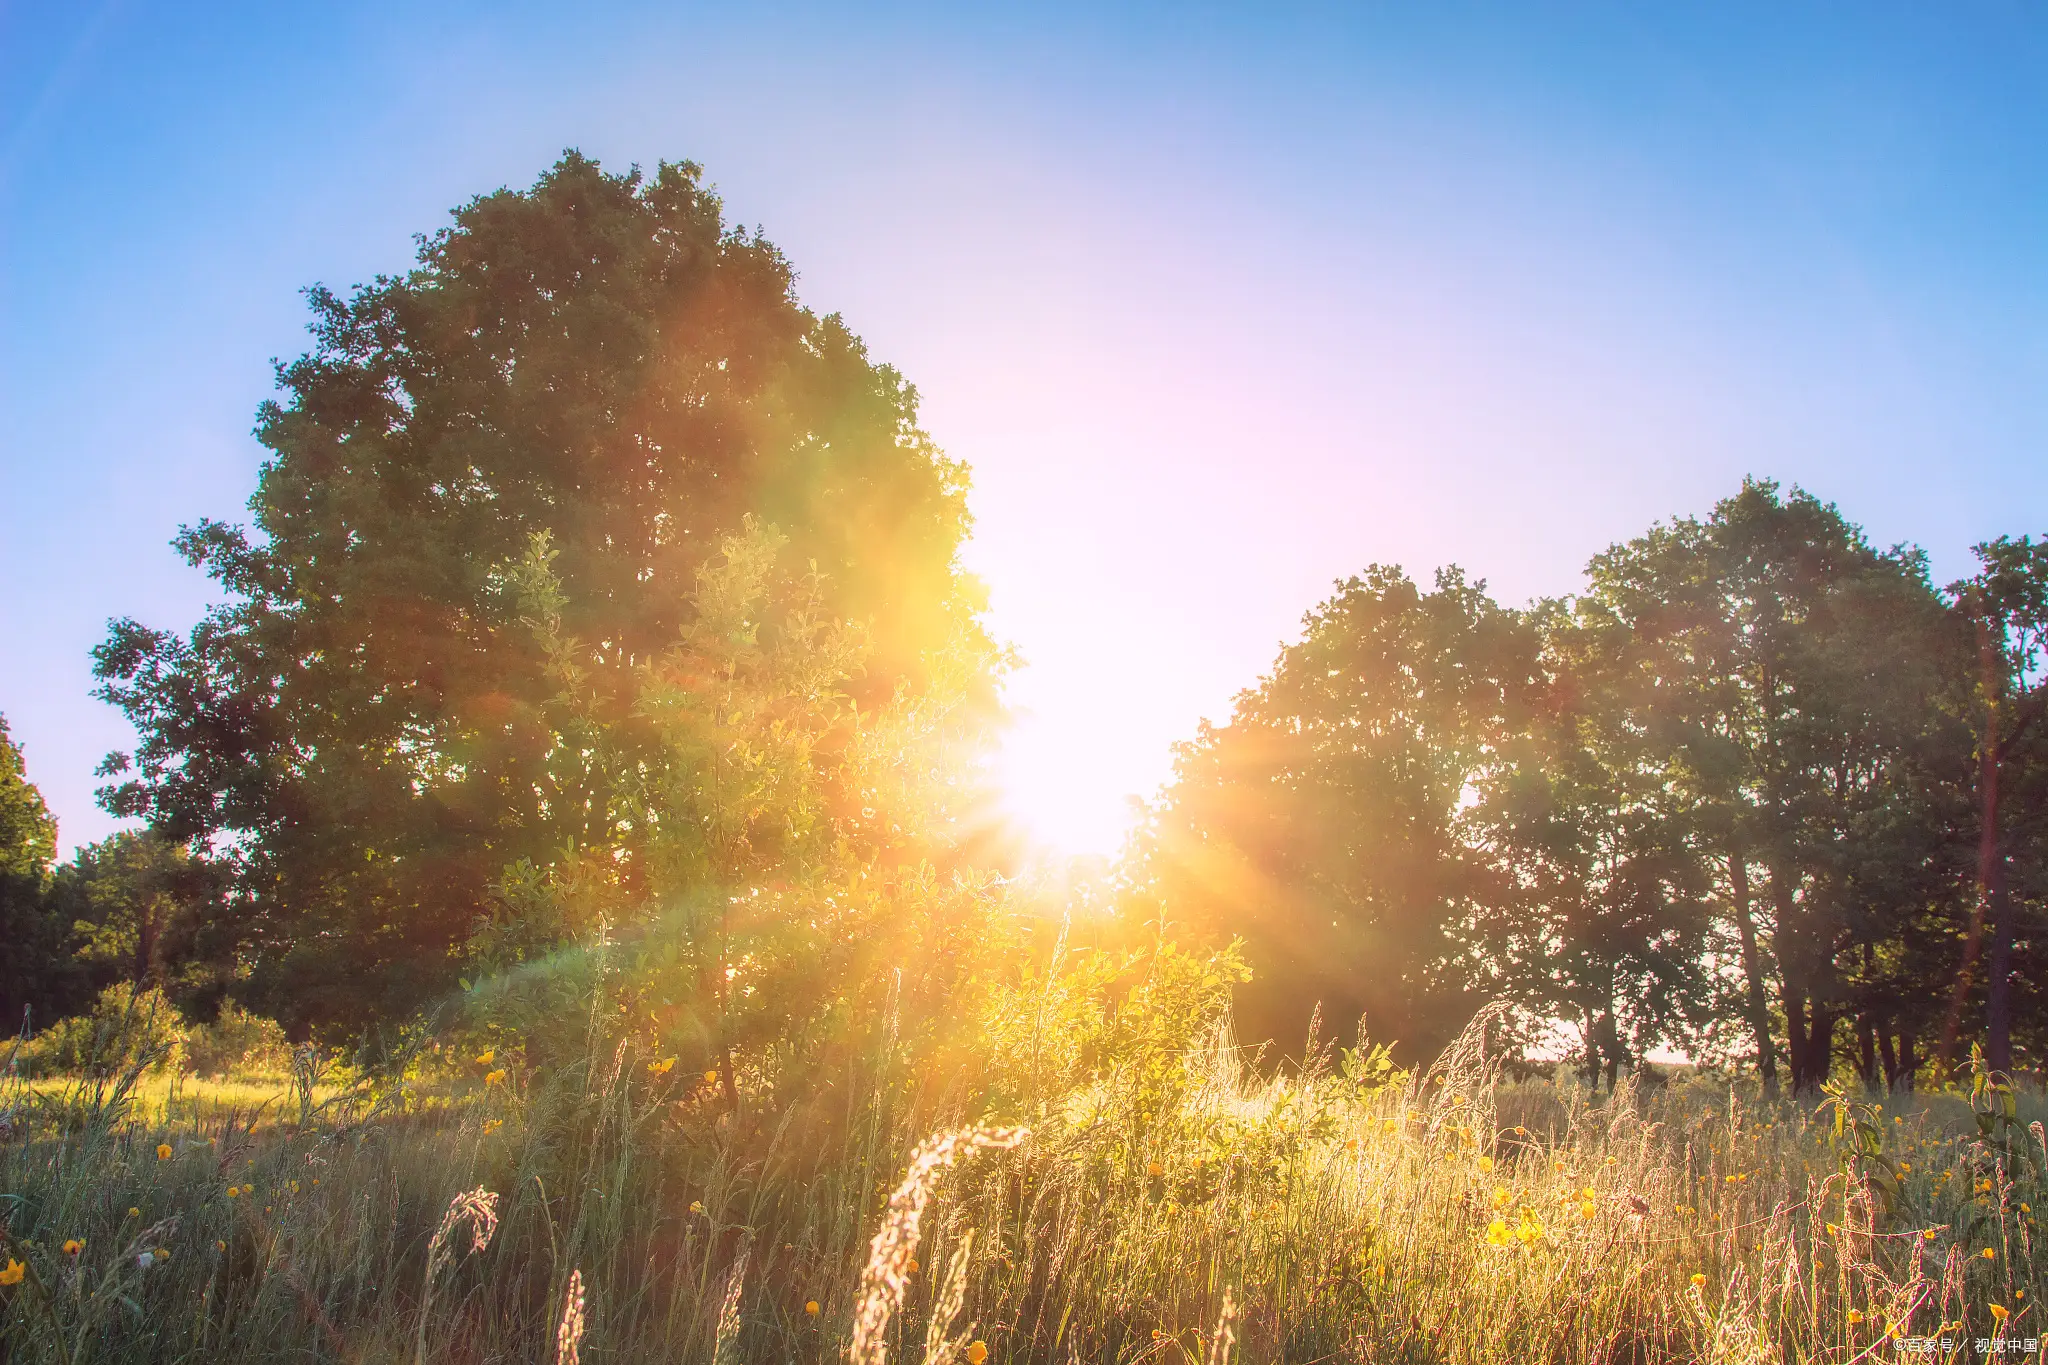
977 1352
494 1077
163 1151
711 1078
490 1126
1500 1196
696 1206
487 1056
2000 1311
1610 1161
1497 1233
662 1067
1699 1281
1153 1168
1833 1230
135 1213
1989 1254
73 1245
145 1260
1485 1165
163 1254
811 1308
219 1245
1588 1209
1350 1145
1855 1316
234 1191
1529 1231
1557 1166
13 1273
1927 1234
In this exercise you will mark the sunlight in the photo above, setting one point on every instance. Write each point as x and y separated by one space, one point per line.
1069 786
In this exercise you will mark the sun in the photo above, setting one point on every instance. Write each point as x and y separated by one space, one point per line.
1068 788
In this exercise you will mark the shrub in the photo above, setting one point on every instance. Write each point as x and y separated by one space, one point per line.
125 1026
238 1041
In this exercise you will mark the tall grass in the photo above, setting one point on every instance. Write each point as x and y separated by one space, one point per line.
1174 1205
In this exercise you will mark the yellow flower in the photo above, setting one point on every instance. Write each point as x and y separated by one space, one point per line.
711 1078
15 1270
219 1245
487 1056
234 1191
1485 1165
1928 1234
1588 1209
696 1206
1350 1145
662 1067
1989 1254
1855 1316
163 1151
162 1253
494 1077
490 1126
1154 1168
977 1352
1832 1229
1497 1233
1610 1161
1500 1196
1999 1311
911 1268
134 1213
1699 1281
73 1245
811 1308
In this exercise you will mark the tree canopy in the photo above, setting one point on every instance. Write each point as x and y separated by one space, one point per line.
362 727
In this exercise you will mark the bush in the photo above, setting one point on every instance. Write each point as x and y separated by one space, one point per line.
237 1041
125 1026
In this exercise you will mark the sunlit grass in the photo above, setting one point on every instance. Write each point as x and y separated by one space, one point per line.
1448 1217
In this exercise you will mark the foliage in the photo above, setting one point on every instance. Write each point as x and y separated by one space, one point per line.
364 727
35 975
126 1026
1321 824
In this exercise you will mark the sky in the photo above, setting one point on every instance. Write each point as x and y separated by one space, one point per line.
1220 305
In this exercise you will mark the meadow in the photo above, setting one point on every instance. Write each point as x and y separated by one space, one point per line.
1175 1200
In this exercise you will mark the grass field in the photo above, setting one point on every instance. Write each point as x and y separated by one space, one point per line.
1194 1213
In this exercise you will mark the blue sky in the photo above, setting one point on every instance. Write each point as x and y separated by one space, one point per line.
1219 304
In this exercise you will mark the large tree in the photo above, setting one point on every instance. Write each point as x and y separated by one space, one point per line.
2006 606
1322 823
1792 682
363 726
36 974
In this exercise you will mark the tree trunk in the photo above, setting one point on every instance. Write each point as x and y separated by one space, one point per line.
1866 1052
1753 971
1888 1055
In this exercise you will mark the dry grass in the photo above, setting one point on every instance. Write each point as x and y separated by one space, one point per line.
1177 1213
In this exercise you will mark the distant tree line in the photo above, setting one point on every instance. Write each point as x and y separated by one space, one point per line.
1761 790
598 593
